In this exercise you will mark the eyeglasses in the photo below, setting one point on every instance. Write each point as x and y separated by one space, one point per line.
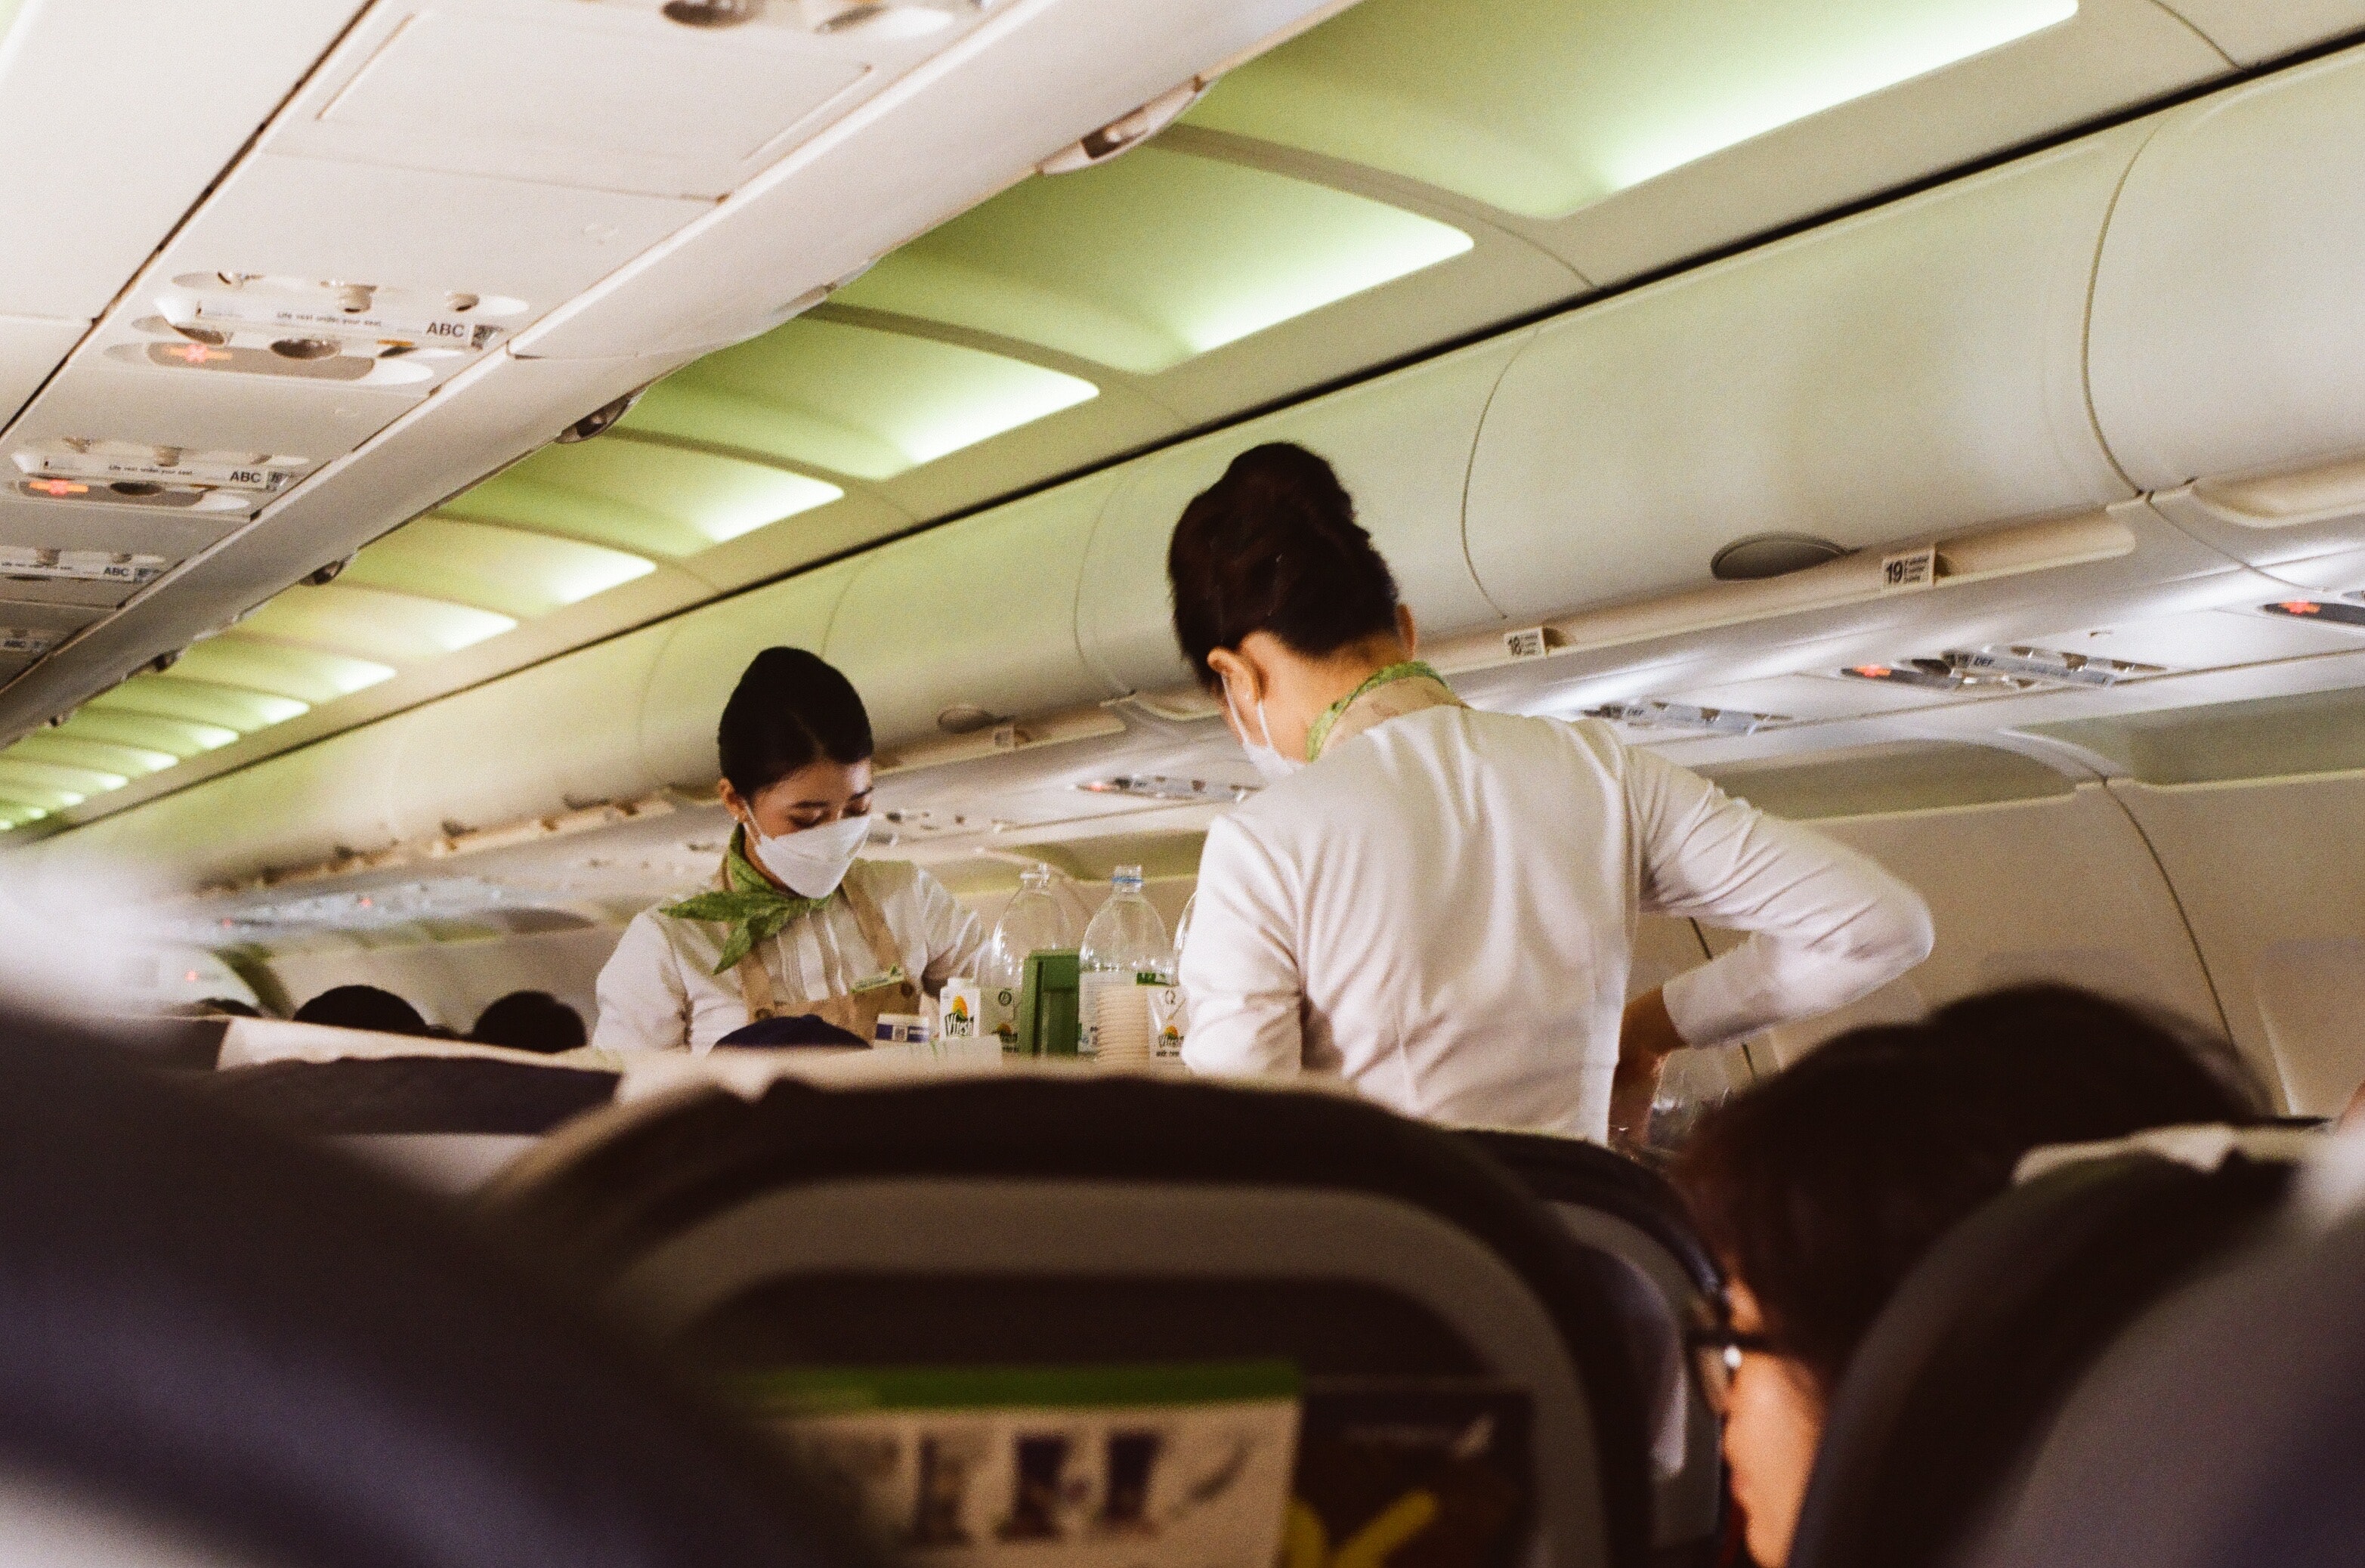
1716 1357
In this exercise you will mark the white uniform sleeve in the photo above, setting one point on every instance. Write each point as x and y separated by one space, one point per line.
953 934
1241 976
644 1005
1829 925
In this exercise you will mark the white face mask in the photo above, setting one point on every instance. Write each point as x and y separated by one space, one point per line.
813 861
1265 758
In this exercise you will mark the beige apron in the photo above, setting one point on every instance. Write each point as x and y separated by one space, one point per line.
856 1012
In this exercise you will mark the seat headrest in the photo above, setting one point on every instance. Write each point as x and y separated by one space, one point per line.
2204 1146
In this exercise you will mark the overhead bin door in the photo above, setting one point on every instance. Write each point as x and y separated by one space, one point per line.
2229 309
974 621
1401 446
1913 370
703 660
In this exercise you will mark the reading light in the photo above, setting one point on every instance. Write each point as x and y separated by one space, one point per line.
1159 786
29 565
306 321
2046 664
138 473
1650 714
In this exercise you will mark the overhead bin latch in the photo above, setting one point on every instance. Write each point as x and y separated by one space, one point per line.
1126 132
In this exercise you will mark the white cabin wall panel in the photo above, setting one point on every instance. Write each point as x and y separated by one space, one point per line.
545 740
2111 54
2256 30
2269 876
1401 446
29 349
979 612
1026 83
2060 889
710 649
1913 370
120 113
2229 307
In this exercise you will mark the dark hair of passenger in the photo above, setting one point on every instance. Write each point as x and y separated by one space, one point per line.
363 1007
1822 1187
1274 547
530 1021
789 710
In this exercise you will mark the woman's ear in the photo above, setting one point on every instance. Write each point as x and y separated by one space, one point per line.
732 802
1239 676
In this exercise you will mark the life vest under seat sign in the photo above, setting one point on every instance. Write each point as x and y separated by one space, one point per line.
1185 1466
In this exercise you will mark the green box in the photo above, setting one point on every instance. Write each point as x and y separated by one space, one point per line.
1048 1004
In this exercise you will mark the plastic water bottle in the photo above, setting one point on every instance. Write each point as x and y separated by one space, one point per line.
1033 921
1125 957
1169 1010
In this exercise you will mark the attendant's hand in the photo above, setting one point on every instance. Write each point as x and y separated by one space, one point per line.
1646 1037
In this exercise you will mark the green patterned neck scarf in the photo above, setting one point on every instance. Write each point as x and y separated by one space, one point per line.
751 905
1410 670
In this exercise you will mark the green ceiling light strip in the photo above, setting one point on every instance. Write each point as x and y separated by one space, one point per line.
391 628
650 500
182 737
176 696
505 570
1543 107
1152 260
70 786
305 675
71 751
851 400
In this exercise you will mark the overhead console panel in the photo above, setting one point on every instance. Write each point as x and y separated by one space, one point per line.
1911 370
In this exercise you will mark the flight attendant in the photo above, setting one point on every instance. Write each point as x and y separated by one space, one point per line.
793 923
1440 903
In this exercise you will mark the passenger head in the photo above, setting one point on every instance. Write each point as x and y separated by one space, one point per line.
530 1021
1821 1188
1274 581
795 744
363 1007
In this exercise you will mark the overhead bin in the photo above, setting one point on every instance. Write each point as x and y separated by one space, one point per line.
1401 446
693 672
118 117
975 622
2250 32
2229 307
543 740
1913 370
31 347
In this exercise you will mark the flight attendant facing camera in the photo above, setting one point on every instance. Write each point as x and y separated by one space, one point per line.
794 925
1437 903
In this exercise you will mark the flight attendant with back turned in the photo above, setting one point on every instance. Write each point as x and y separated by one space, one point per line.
793 926
1440 903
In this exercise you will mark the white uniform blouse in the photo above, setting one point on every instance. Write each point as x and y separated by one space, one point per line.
1442 909
658 991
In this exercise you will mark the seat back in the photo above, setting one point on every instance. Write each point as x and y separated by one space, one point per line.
219 1344
1631 1220
2224 1431
1106 1222
1960 1375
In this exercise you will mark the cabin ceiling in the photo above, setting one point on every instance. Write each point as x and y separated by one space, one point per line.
1408 174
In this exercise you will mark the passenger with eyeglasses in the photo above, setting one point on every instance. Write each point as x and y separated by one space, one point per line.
1821 1188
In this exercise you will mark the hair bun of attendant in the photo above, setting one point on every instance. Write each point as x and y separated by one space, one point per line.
1274 547
790 709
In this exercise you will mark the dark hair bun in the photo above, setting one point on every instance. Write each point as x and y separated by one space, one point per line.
1274 547
790 710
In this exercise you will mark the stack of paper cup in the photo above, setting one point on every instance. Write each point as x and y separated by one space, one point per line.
1121 1016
